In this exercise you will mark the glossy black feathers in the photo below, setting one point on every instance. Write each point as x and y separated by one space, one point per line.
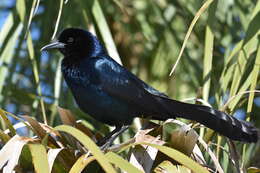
113 95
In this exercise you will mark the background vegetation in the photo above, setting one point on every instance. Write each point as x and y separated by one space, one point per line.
213 46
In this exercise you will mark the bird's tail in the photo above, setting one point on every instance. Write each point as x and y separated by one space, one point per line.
216 120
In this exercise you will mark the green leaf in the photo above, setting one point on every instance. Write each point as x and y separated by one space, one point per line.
21 9
58 19
104 30
253 29
253 170
195 19
9 22
166 166
7 122
34 8
249 46
180 157
90 145
208 52
7 55
39 157
121 163
36 74
254 75
81 163
4 137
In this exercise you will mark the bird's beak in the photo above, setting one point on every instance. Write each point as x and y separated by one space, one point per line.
54 45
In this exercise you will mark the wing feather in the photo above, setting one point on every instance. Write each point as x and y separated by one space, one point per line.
122 84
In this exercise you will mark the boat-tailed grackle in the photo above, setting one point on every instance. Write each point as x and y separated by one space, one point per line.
111 94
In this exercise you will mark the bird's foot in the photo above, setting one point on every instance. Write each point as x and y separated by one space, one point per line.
105 146
107 141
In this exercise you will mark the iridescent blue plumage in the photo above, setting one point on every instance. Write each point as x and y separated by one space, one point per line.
113 95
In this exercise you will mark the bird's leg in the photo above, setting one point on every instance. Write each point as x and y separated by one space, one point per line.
105 138
109 139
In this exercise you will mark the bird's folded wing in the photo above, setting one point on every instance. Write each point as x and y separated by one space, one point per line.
122 84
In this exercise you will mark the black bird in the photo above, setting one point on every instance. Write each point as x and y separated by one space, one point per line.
111 94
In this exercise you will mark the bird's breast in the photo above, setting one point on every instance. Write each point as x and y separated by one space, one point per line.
92 99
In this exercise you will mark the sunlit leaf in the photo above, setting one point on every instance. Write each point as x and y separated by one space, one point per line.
39 157
104 30
11 153
253 170
121 163
81 163
165 166
21 9
52 155
6 27
89 144
196 17
181 158
7 55
7 122
208 51
36 74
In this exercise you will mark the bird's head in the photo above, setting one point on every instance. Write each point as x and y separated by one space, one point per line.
77 43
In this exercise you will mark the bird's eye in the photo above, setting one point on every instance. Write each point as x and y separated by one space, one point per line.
70 40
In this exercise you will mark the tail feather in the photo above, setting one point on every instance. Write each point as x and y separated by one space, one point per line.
216 120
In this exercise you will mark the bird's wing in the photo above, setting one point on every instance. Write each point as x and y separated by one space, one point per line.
118 82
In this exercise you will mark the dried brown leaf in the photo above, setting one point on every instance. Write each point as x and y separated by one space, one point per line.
143 156
42 130
66 116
